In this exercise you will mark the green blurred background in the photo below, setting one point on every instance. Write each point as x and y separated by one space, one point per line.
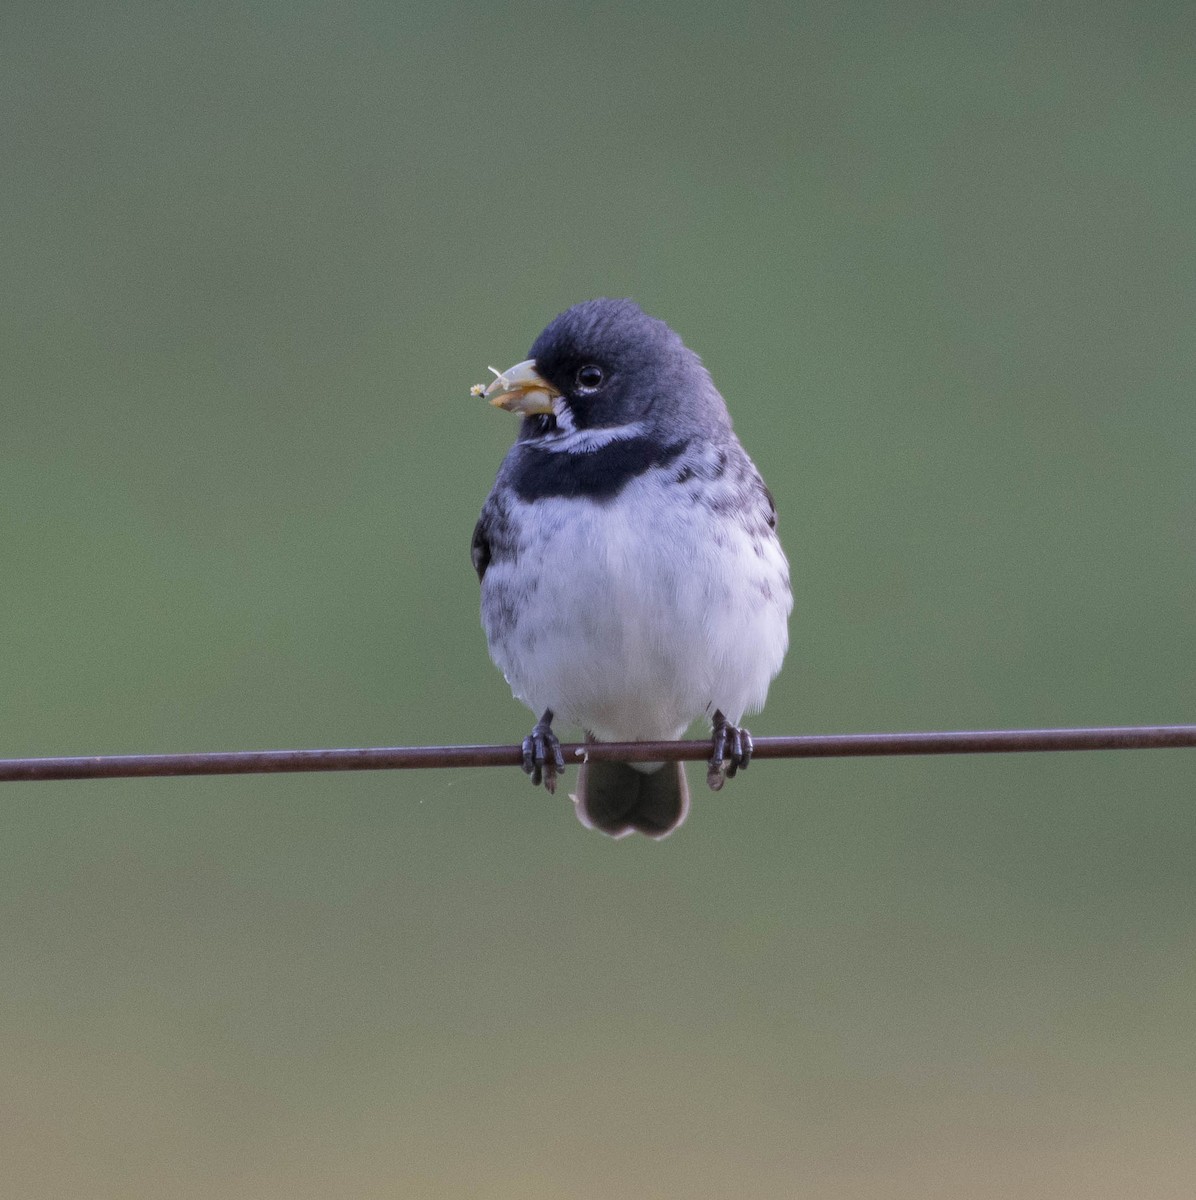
939 258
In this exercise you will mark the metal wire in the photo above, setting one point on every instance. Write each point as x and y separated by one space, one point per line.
382 758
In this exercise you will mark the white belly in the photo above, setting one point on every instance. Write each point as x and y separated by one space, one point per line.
631 627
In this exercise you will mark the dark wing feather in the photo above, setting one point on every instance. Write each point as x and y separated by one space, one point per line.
480 548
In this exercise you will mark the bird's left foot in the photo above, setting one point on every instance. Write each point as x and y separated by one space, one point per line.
542 757
732 752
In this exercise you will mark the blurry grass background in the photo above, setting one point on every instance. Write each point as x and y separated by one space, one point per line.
939 258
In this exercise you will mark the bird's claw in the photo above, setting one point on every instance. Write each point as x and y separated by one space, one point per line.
732 752
542 757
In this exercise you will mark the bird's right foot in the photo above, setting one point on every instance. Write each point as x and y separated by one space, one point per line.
542 757
732 746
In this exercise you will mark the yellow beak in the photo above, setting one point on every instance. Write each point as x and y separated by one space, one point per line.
522 390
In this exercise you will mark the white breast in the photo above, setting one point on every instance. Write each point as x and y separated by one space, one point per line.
636 617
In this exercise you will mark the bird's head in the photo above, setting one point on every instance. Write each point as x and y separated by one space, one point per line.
606 364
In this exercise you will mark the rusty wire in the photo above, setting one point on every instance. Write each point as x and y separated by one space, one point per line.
383 758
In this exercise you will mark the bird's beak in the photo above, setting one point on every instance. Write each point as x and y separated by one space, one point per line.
522 390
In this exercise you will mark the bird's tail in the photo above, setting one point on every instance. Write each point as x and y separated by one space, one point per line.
617 799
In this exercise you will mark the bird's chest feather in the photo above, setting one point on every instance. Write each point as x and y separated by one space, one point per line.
615 610
616 574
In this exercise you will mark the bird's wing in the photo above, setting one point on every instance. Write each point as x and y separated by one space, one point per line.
480 548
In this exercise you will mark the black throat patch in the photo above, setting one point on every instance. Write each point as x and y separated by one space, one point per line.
598 474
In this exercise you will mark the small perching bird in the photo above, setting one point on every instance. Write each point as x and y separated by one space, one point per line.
632 580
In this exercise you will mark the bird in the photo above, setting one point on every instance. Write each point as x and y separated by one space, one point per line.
632 581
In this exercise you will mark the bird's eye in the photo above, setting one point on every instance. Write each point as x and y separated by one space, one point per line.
589 377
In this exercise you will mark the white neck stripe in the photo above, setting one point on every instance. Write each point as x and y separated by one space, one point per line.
584 441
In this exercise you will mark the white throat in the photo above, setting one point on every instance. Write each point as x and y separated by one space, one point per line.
568 439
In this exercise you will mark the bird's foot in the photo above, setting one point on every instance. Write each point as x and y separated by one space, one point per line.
732 745
542 757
